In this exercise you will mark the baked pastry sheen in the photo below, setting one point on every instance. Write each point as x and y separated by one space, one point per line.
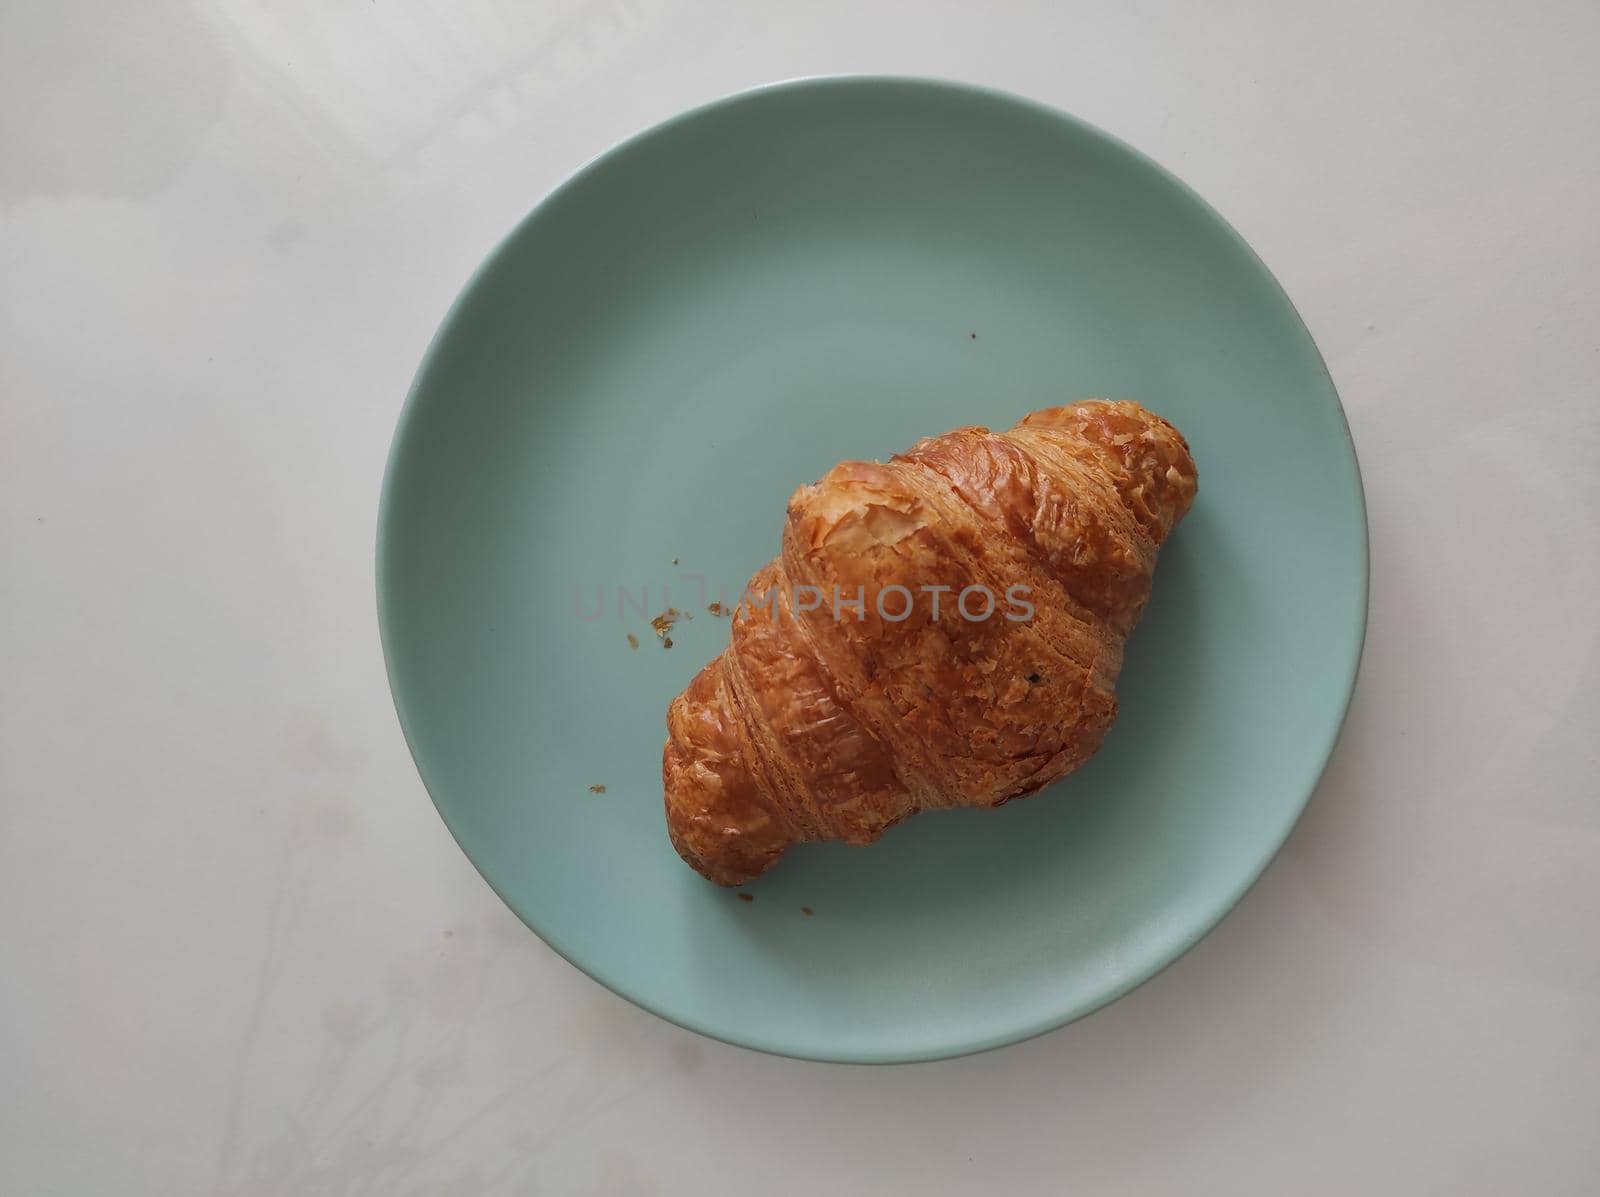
833 719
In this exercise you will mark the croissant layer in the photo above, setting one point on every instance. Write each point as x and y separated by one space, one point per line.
944 629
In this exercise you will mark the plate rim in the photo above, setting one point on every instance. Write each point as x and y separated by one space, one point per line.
1024 1030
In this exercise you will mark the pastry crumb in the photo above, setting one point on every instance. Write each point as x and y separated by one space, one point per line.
719 610
663 624
633 641
674 561
807 911
597 788
744 897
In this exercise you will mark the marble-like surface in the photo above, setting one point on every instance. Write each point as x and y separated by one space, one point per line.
241 954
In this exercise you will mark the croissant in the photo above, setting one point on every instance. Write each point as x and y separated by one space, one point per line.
941 630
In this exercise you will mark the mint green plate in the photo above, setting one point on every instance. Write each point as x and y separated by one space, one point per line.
713 313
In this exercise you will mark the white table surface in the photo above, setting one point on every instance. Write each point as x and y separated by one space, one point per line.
240 952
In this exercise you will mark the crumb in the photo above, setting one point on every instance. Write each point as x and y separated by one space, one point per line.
633 641
807 911
674 561
974 336
663 624
744 897
597 789
719 610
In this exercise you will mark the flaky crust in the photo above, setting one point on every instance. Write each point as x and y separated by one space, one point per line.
827 722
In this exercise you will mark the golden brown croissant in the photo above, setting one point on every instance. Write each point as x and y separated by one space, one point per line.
864 682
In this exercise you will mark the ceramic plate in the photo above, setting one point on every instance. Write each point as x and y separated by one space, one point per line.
714 312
